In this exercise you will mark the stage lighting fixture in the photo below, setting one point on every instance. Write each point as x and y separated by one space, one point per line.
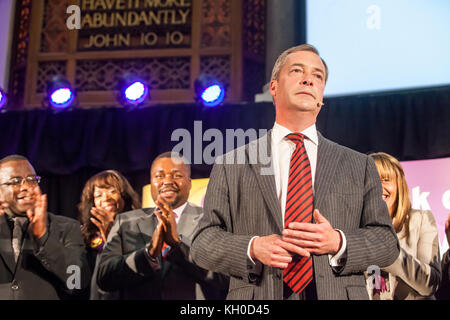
60 94
209 91
132 90
3 98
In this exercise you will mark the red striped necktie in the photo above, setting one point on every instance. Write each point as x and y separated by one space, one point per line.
299 208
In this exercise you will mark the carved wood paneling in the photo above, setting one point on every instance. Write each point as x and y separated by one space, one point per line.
216 23
55 35
225 38
159 73
218 66
47 70
17 82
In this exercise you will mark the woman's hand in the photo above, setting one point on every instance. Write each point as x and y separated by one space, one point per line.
103 220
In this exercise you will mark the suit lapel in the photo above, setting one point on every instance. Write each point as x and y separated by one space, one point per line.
188 222
185 227
265 177
146 225
6 252
328 155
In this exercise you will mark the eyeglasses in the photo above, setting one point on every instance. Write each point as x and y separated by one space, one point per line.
18 181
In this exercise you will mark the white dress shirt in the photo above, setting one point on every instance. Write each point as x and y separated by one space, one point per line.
282 149
178 211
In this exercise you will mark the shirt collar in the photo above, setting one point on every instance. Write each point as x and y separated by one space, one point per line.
12 217
279 133
178 211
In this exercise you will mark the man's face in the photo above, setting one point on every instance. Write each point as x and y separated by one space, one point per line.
170 180
19 198
300 84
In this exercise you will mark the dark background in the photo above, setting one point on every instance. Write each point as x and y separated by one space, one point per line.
68 147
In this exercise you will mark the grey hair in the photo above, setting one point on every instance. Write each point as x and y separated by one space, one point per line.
282 59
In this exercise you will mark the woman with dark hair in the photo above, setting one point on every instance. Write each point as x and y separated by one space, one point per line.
416 273
104 196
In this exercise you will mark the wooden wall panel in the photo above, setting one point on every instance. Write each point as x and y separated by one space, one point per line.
218 39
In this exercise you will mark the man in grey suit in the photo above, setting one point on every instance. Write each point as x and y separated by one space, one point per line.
42 255
248 231
147 254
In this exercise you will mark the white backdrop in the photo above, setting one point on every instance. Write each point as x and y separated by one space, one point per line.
6 26
377 45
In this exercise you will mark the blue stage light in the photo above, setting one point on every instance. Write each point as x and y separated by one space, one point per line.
59 93
209 91
136 93
132 90
3 98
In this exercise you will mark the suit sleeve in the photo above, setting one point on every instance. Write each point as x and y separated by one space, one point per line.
214 246
63 254
117 269
375 241
182 257
422 272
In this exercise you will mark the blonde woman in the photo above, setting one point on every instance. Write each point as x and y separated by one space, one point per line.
416 273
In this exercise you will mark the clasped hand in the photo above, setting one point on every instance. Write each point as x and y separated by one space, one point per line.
299 238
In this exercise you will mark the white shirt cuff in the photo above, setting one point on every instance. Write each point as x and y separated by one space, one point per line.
339 259
248 249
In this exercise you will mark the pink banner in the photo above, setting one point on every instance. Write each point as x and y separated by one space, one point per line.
429 186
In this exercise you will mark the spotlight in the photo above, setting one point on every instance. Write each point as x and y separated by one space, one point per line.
209 91
132 90
59 93
3 98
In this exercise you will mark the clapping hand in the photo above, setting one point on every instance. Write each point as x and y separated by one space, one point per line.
157 241
38 214
167 217
103 219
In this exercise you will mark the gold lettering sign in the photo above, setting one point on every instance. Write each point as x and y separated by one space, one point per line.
135 24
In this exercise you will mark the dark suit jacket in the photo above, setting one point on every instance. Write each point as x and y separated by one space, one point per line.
43 272
241 202
124 266
444 291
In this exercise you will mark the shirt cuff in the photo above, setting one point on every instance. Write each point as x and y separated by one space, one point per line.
41 241
340 258
248 249
153 262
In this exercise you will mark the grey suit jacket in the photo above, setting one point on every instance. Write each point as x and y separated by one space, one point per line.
241 203
44 272
123 265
